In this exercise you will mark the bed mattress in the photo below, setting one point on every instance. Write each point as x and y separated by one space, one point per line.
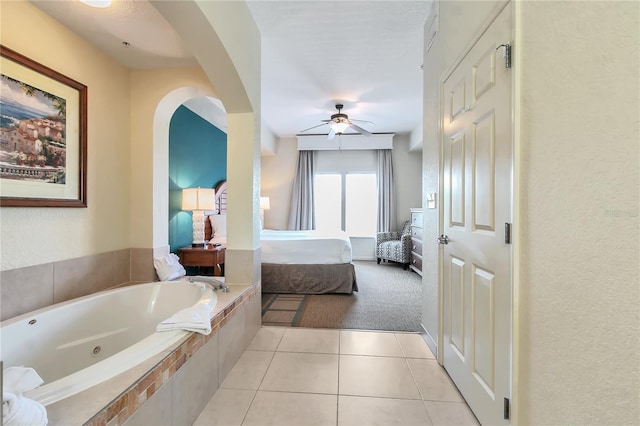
305 247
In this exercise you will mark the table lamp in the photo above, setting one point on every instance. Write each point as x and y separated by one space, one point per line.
198 200
265 204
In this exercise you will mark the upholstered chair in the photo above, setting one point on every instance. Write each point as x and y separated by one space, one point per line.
395 246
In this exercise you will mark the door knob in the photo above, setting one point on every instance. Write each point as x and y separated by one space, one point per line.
443 239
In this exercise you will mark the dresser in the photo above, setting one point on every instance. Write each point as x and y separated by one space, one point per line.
416 241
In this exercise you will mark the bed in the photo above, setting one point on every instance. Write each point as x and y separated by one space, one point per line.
299 262
308 262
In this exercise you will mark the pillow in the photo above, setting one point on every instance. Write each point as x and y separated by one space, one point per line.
218 225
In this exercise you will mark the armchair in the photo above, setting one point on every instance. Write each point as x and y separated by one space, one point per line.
395 246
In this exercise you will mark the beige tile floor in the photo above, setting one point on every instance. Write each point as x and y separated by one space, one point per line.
300 376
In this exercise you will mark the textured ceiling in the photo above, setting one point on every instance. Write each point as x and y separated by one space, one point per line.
153 43
363 54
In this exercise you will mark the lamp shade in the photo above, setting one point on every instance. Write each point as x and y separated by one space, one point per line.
198 199
339 127
265 203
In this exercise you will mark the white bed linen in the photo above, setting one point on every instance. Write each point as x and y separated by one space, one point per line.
305 247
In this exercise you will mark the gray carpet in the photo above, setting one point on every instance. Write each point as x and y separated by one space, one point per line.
389 298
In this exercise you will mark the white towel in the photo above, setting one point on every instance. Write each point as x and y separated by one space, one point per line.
16 409
168 267
195 318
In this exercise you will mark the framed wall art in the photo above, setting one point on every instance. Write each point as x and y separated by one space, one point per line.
43 135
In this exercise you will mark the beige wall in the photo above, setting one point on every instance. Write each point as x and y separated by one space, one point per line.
276 182
128 120
576 291
277 174
155 95
32 236
407 172
125 110
579 303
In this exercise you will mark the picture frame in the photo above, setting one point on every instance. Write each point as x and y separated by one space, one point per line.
43 135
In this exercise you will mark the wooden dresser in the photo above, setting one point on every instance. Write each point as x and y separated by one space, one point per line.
416 240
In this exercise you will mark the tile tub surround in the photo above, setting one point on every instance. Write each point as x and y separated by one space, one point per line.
146 391
26 289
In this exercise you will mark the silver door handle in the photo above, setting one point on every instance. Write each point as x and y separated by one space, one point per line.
443 239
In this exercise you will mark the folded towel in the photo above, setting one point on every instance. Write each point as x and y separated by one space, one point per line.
20 411
16 409
195 318
20 379
168 267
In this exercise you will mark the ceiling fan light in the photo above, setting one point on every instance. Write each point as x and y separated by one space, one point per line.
339 127
97 3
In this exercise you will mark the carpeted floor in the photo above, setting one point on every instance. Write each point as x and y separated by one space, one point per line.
389 298
282 309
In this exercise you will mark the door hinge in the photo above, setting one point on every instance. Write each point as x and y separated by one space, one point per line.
506 55
507 233
506 409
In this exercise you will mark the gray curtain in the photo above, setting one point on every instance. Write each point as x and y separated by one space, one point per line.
301 215
386 192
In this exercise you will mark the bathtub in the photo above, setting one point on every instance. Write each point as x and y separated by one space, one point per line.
80 343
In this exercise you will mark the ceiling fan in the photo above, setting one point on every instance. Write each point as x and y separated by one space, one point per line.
339 123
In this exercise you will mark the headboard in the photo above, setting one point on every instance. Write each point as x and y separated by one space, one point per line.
221 206
221 197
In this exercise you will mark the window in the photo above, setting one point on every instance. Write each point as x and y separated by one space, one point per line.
346 201
328 201
361 204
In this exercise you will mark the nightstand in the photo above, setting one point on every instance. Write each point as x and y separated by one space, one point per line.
207 256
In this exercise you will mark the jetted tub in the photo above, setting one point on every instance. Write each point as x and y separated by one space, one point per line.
82 342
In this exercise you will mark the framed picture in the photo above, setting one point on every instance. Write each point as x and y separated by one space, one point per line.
43 135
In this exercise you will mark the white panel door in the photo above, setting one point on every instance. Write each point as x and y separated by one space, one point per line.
477 202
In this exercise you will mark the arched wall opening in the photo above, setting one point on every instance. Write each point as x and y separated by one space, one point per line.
226 43
197 159
161 121
242 264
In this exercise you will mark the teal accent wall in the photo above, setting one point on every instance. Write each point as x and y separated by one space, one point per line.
197 158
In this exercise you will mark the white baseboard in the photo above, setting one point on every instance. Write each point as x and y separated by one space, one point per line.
363 258
429 340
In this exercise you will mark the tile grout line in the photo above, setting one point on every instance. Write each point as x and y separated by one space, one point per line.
338 387
406 358
404 353
413 376
261 380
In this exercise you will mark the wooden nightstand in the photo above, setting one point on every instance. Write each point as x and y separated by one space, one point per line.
208 256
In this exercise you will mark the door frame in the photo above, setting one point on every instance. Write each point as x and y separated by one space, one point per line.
515 191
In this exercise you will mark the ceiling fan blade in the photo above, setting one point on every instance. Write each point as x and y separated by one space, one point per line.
302 131
360 130
331 134
362 121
